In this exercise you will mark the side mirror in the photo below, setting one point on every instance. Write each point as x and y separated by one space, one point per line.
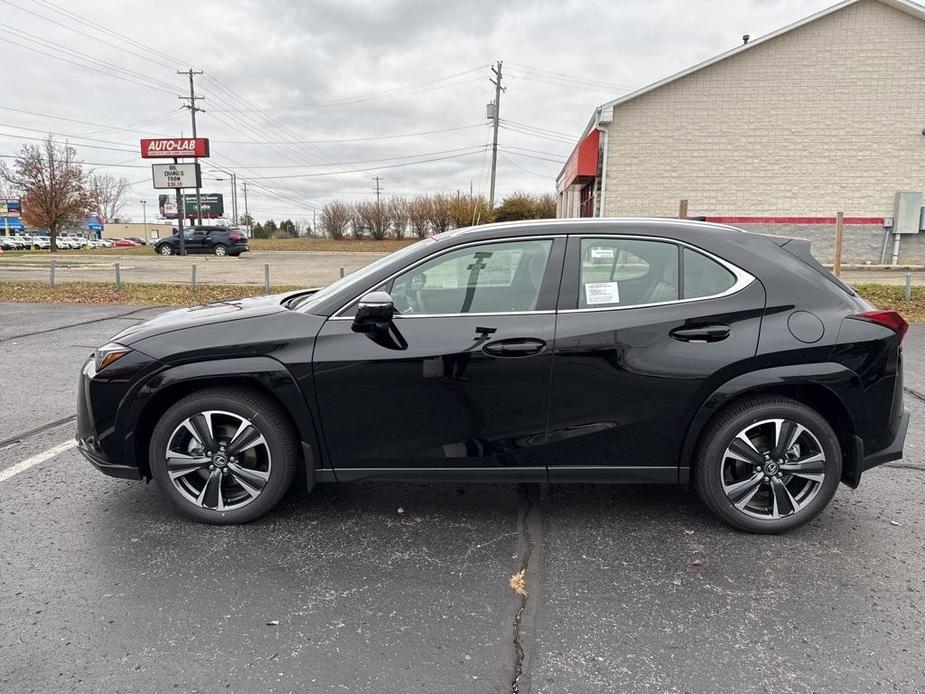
374 313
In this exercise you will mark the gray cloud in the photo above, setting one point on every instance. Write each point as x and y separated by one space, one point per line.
293 59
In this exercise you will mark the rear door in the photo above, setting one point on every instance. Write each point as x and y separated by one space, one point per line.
646 329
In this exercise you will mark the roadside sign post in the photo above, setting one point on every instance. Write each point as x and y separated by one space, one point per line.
180 212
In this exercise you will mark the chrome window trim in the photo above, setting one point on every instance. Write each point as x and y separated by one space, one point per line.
743 278
484 242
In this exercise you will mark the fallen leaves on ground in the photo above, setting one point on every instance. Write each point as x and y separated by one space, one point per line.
517 582
106 293
889 297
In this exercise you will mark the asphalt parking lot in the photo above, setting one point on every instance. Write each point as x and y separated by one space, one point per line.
404 587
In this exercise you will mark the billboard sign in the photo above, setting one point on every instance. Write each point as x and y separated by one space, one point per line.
176 175
213 206
175 147
10 207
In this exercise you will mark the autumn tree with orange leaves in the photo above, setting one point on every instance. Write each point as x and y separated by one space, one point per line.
52 184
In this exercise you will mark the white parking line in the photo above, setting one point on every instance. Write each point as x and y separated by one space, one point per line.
23 465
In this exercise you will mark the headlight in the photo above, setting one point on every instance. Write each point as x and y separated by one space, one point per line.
107 354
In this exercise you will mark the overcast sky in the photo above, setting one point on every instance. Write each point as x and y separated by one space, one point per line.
289 83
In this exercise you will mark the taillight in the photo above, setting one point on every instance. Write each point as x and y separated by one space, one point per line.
234 238
888 319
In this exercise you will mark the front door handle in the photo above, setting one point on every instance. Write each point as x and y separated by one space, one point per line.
701 333
514 347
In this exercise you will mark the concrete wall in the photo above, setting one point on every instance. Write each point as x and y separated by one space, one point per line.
827 117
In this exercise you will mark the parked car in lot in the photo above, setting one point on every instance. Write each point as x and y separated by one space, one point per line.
201 239
652 351
8 244
137 240
40 242
123 243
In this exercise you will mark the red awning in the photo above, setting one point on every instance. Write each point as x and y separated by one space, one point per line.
582 164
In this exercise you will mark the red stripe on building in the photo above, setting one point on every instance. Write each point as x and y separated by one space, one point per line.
794 220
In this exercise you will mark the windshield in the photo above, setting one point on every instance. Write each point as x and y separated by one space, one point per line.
358 276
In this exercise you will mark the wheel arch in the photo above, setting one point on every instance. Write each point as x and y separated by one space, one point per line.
831 389
260 374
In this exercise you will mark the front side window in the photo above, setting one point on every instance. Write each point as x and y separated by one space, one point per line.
488 278
619 272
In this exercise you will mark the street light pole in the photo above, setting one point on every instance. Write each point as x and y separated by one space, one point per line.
144 213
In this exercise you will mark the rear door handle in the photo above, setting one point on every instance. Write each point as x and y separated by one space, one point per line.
514 347
701 333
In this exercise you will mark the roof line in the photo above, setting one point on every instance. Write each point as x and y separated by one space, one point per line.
907 6
589 221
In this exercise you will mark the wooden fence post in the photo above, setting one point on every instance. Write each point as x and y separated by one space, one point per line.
682 209
839 235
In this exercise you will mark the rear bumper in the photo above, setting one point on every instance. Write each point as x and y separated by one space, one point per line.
863 461
894 451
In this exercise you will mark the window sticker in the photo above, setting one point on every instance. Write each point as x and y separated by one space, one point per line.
597 293
601 254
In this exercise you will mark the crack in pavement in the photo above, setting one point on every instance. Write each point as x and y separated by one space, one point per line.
530 549
37 430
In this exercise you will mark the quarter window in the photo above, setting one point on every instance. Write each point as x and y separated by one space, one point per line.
703 276
627 272
489 278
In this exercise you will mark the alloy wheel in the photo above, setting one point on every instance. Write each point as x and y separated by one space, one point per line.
218 460
772 469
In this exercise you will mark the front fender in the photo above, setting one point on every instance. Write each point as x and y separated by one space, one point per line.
840 381
263 372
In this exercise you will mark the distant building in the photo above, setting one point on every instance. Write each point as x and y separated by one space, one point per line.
775 135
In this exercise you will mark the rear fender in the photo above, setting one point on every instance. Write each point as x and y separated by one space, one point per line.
839 381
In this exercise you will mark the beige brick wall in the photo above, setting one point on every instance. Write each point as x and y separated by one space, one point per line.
826 117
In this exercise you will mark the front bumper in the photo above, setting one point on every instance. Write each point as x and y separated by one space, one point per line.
103 464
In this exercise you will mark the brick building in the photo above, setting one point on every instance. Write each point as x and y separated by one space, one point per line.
776 135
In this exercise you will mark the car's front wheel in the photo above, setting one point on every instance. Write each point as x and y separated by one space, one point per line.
224 455
768 464
165 249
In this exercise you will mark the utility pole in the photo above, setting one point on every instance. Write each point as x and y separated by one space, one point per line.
144 216
234 199
377 179
495 118
192 112
246 213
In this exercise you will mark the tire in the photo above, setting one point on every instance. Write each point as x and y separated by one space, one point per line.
164 249
220 249
219 488
754 485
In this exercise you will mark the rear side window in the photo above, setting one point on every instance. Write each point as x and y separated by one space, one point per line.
703 276
627 272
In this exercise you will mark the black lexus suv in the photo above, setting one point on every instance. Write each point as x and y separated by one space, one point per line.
654 351
202 239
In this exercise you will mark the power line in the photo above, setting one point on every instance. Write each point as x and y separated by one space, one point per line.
371 168
532 173
571 78
349 139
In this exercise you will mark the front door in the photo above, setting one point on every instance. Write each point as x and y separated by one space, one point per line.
647 329
461 381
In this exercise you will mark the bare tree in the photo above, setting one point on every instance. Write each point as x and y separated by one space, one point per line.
108 195
335 219
469 210
440 213
374 217
398 213
419 215
52 183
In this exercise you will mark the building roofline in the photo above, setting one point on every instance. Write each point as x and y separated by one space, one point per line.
907 6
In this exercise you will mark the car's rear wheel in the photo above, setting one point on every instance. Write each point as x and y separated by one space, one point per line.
220 249
768 464
224 455
165 249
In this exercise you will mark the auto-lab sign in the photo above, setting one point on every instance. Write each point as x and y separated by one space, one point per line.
175 147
